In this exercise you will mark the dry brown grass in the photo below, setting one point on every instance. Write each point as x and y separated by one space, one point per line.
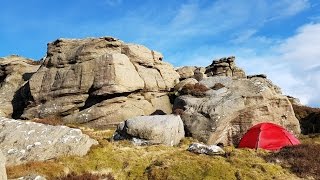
86 176
217 86
303 160
52 120
195 89
48 168
309 118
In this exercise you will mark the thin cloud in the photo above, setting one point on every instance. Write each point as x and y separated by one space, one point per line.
113 2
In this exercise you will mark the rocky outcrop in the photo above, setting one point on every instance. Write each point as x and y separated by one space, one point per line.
231 106
186 72
205 149
15 71
29 141
88 80
225 67
157 129
3 173
294 101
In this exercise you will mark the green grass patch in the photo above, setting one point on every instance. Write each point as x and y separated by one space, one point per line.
123 160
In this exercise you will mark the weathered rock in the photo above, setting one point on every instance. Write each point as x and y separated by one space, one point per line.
83 75
224 114
184 82
28 141
186 71
205 149
197 73
294 101
225 67
3 173
111 112
14 72
158 129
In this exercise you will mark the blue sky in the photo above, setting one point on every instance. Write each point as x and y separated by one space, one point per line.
280 38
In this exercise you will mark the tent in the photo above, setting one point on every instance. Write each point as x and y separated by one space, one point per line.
267 136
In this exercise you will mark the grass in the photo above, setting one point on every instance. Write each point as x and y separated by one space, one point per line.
303 160
197 89
86 176
122 160
52 120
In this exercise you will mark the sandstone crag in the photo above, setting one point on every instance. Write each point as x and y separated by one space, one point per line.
95 79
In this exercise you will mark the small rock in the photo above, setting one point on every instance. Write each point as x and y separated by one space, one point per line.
31 177
205 149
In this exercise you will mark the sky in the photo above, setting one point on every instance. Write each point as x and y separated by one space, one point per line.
279 38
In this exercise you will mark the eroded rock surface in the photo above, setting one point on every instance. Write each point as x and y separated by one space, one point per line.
231 106
87 80
15 71
197 73
157 129
29 141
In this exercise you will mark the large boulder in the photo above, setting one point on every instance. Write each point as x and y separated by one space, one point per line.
22 142
86 77
14 72
113 111
157 129
3 173
231 106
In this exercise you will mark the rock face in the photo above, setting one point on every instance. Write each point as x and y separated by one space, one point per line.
157 129
204 149
3 173
225 67
15 71
186 72
28 141
231 106
113 111
86 80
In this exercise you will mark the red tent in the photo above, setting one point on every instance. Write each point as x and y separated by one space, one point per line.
267 136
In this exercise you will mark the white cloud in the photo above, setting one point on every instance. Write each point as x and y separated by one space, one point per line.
303 49
293 64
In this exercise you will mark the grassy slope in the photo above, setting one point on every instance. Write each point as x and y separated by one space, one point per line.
126 161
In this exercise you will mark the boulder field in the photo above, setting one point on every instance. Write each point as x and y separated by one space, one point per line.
102 82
